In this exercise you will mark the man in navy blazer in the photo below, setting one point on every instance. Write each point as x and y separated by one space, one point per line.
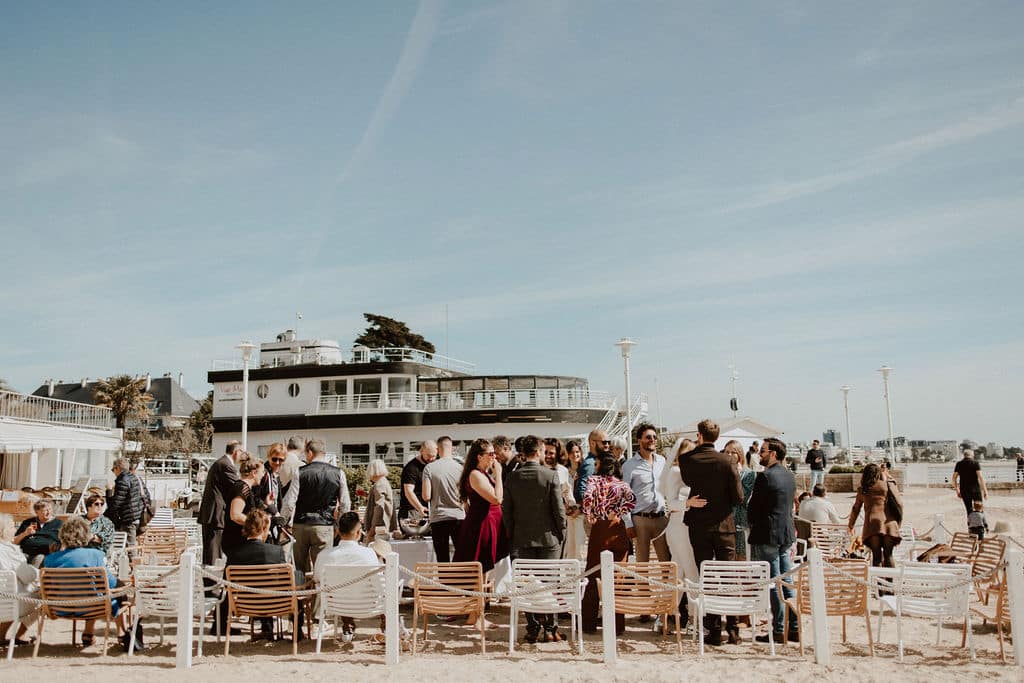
772 533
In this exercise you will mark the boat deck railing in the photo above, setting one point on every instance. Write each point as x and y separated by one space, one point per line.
55 411
386 354
515 399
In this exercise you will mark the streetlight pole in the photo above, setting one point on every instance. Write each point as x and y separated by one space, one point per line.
846 410
246 347
625 346
885 370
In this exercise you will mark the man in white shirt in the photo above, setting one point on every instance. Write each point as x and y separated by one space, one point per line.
818 509
348 551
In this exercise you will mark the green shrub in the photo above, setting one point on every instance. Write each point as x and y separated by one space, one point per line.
846 469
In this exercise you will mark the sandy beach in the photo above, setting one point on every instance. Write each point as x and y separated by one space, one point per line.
453 651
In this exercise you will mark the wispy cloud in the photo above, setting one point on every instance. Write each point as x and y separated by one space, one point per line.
414 53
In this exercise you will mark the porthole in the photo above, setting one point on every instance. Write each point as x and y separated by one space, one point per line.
262 390
293 389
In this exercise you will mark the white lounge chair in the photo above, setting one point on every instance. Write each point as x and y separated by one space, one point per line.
565 594
732 589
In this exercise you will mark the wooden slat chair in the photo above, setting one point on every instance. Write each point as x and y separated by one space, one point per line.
156 597
994 607
361 600
429 598
843 597
162 546
833 540
565 595
962 547
988 555
731 589
634 596
75 584
276 577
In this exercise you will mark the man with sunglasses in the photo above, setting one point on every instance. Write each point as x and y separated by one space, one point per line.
598 445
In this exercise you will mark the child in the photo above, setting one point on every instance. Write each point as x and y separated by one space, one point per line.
976 522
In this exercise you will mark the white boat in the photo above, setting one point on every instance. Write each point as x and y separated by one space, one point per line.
372 403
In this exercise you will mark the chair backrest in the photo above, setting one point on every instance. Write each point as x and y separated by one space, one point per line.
919 589
118 543
436 600
191 528
736 587
844 596
637 596
833 540
75 584
561 576
988 555
163 518
277 577
156 596
8 606
162 546
963 545
362 599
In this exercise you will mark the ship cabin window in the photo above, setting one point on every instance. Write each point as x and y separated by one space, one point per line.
521 382
390 452
547 382
366 385
262 391
354 453
451 385
293 389
472 384
399 385
429 386
333 387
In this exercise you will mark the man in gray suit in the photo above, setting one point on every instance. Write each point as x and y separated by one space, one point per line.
534 517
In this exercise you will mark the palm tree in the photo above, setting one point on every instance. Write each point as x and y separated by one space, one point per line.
126 397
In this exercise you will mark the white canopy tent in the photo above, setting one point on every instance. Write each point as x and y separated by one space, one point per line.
39 454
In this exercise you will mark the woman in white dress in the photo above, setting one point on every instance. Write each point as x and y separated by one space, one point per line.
575 535
677 501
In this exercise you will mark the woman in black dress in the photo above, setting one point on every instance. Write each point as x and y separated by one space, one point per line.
243 499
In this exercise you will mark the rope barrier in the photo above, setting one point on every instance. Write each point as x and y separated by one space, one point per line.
696 589
299 592
488 595
82 602
889 582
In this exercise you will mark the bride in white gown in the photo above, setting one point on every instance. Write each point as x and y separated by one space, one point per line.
677 500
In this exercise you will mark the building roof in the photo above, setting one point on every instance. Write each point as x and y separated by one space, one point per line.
169 398
732 424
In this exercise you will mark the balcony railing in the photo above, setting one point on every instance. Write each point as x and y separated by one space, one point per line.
466 400
54 411
389 354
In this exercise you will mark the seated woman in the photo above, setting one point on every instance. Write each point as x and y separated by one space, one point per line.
101 529
38 534
75 553
11 558
254 550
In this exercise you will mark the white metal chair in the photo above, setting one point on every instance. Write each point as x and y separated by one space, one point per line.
155 597
9 606
732 589
191 526
904 551
565 594
118 549
935 591
163 518
833 540
361 600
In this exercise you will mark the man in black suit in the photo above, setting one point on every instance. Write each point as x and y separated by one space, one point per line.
220 479
770 513
533 513
712 476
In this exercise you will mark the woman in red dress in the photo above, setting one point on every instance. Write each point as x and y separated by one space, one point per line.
481 537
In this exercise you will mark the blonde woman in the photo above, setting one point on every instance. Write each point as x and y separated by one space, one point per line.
677 502
243 499
380 506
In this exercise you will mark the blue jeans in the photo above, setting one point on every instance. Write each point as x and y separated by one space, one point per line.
817 477
777 557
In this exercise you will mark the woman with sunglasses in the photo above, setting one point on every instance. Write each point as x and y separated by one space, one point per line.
101 529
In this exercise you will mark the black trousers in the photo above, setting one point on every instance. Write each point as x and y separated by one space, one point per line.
444 534
534 622
711 544
212 549
969 497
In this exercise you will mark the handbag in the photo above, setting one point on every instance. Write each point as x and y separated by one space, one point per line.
893 507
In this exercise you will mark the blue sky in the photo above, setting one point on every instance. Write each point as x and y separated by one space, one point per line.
807 190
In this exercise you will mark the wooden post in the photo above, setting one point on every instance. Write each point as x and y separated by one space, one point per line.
391 591
608 606
1015 585
186 564
819 614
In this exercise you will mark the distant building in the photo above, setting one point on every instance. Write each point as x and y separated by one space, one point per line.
884 443
994 450
832 436
947 449
169 410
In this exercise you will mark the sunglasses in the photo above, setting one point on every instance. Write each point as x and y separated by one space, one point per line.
97 504
277 460
606 441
